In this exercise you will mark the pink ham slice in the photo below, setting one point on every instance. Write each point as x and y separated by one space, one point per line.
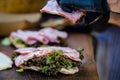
29 37
45 36
24 36
69 52
53 8
52 34
25 50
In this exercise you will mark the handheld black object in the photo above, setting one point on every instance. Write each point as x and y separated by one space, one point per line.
96 10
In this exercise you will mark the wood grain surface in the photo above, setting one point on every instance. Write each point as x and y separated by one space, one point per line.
87 71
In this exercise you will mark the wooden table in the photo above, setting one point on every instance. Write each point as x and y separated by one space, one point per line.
87 71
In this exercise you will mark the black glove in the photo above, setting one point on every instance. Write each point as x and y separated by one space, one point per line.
87 5
96 9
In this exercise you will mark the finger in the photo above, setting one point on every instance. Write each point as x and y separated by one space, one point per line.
58 1
82 22
66 8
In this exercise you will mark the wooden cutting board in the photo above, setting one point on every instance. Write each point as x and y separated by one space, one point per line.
87 71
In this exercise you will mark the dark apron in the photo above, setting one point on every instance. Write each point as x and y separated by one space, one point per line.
108 54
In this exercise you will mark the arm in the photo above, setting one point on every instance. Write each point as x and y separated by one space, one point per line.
115 12
114 19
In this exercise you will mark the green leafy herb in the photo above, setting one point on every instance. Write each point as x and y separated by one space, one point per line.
14 55
20 70
18 40
18 43
52 63
6 42
80 50
45 68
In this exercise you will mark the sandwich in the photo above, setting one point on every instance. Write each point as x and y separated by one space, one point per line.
48 60
43 37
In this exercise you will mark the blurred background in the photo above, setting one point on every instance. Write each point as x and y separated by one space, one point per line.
25 14
19 14
21 6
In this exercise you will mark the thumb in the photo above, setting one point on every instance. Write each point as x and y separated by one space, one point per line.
66 8
58 1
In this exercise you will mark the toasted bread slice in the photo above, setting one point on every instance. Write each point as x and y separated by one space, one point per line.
5 62
69 71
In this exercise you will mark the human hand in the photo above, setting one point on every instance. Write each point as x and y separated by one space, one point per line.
95 9
87 5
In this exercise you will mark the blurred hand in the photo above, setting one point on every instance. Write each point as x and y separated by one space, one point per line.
87 5
95 9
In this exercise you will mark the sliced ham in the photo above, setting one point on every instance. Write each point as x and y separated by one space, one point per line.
53 8
52 34
45 36
70 53
25 50
24 36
